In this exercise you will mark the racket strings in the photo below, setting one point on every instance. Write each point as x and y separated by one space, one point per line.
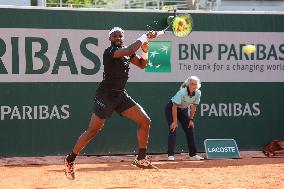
182 25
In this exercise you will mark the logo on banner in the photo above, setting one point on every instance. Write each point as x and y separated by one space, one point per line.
159 58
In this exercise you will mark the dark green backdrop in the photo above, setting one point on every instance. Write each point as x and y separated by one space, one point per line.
50 137
57 137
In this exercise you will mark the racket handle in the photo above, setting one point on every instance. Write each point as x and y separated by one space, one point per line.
160 33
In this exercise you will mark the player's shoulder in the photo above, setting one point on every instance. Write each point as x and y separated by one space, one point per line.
109 51
112 48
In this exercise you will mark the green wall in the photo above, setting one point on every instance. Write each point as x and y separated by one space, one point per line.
52 137
56 135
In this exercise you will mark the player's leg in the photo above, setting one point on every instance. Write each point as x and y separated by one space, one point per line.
133 111
95 125
139 116
172 134
103 108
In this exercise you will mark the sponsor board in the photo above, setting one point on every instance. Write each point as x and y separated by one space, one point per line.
221 148
38 112
56 55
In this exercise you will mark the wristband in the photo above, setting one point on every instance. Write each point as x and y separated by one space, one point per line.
160 33
191 119
144 55
142 38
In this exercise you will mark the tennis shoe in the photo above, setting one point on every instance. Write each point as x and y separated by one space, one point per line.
171 158
143 164
196 158
69 169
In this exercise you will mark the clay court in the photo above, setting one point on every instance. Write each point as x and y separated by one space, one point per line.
253 170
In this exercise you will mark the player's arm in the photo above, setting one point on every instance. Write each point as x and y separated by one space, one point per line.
127 51
131 49
142 61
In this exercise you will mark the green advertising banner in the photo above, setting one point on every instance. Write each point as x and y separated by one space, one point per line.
51 65
160 56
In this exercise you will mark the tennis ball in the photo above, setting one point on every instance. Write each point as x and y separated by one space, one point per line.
248 49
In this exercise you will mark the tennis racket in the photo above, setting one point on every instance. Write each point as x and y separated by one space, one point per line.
181 25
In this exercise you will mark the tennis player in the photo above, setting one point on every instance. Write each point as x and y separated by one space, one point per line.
111 96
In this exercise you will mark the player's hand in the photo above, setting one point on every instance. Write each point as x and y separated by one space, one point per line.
191 124
145 47
173 126
151 34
